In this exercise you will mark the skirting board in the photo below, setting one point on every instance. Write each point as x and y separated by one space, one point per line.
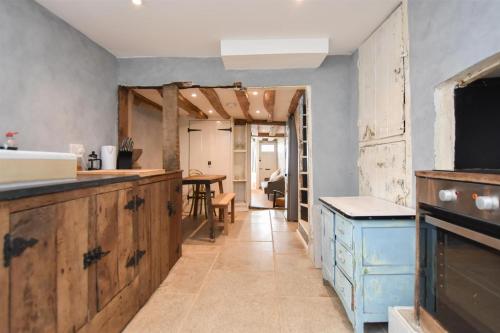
401 320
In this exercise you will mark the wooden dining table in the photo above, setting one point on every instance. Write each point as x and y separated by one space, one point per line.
206 180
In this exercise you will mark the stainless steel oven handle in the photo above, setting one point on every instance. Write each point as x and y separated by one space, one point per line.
464 232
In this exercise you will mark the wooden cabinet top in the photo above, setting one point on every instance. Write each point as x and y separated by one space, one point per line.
364 207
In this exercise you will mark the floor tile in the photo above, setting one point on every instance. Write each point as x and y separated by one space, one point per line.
188 274
227 283
306 283
233 314
256 233
287 242
241 257
163 313
313 314
284 226
293 262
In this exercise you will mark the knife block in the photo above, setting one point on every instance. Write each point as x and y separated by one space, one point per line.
124 160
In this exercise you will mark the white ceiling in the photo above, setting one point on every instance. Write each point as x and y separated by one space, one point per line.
194 28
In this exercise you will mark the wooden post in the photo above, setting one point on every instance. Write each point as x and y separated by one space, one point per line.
125 105
171 156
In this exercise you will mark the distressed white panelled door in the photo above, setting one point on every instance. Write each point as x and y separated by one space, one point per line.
210 148
384 159
268 159
381 81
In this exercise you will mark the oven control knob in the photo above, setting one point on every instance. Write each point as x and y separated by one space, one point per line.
447 195
487 203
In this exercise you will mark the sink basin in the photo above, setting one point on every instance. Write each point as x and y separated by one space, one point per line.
28 166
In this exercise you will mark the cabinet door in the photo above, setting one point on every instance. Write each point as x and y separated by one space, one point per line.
157 225
327 243
165 213
175 221
4 271
33 272
143 267
73 218
116 236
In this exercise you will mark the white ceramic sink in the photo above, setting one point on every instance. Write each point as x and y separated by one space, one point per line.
17 166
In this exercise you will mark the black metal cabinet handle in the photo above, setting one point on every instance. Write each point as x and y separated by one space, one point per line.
171 208
14 247
139 201
93 256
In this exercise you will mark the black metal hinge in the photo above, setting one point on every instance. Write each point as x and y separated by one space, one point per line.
178 188
229 129
135 203
14 247
134 260
93 256
193 130
139 201
170 208
130 205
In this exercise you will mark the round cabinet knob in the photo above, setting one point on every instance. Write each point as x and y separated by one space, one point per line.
487 203
447 195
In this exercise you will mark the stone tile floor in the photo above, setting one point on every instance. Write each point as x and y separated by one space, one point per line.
256 279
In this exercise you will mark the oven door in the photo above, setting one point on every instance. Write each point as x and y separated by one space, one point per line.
459 275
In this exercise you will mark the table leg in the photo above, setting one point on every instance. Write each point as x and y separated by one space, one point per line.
233 212
196 195
210 217
221 190
221 211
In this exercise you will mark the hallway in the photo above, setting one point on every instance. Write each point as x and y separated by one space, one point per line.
256 279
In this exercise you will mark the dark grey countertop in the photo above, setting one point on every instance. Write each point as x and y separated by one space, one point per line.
24 191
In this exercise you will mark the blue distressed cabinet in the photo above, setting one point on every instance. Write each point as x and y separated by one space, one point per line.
368 255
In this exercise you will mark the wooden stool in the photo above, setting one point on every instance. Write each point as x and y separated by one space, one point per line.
222 202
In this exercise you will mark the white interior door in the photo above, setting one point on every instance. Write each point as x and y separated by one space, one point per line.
210 148
268 160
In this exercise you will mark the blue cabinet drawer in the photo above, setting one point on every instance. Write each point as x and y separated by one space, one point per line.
344 260
343 231
344 288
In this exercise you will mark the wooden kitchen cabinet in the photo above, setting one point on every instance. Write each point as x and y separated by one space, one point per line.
86 260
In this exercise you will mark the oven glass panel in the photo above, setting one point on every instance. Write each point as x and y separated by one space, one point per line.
459 281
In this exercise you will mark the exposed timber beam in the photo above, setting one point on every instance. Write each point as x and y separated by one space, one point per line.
258 122
141 98
242 97
269 101
190 108
214 99
295 101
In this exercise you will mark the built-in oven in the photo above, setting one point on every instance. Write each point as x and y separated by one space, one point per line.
459 255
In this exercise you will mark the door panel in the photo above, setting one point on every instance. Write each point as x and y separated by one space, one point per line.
175 216
158 226
144 243
33 273
107 231
127 238
4 271
163 189
268 160
73 219
211 144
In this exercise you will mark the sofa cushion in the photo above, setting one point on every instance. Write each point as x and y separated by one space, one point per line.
274 176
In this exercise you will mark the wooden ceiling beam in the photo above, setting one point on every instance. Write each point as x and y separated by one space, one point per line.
242 98
190 108
214 99
269 102
258 122
295 101
144 99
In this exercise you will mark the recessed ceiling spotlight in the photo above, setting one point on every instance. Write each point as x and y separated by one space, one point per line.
210 111
258 111
137 2
255 92
193 95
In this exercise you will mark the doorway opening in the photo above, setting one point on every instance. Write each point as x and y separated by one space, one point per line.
268 166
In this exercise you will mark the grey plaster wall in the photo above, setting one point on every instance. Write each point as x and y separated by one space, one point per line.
446 37
56 86
147 131
333 116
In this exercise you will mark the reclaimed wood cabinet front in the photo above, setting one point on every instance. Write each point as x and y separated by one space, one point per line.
86 263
